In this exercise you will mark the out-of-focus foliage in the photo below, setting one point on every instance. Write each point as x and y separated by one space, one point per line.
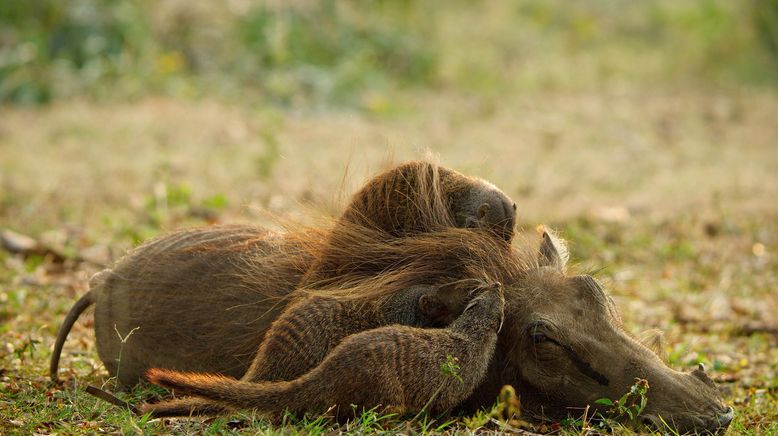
766 21
55 49
324 50
341 51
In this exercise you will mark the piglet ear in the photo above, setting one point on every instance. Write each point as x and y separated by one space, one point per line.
553 250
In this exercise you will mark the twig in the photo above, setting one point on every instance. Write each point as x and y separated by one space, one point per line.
110 398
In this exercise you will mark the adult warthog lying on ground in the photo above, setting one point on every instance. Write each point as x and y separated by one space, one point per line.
203 300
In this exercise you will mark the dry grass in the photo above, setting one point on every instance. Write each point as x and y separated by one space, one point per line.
672 192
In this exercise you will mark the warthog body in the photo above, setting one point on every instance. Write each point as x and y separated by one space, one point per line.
172 319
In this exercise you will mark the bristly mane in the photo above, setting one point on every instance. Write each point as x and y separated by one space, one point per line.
398 231
401 202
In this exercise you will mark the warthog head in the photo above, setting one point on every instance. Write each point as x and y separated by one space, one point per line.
567 348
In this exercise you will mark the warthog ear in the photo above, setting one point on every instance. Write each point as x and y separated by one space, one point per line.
553 250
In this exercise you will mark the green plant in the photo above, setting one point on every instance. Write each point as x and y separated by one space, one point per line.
27 347
626 409
450 368
123 340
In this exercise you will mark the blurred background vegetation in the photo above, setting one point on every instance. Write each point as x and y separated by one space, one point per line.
349 53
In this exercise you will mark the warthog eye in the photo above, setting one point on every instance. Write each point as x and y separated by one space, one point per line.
538 338
536 332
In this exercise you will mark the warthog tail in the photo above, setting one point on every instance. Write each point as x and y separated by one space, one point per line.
81 305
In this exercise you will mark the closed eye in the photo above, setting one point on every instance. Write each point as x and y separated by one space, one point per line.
537 332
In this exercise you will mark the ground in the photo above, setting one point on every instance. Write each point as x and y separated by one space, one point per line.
670 195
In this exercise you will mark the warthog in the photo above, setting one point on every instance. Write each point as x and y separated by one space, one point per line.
561 345
203 300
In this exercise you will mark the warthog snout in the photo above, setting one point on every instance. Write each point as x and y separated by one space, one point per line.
687 402
700 424
726 417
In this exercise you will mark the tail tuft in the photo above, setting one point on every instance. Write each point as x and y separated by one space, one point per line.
158 375
229 392
185 382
